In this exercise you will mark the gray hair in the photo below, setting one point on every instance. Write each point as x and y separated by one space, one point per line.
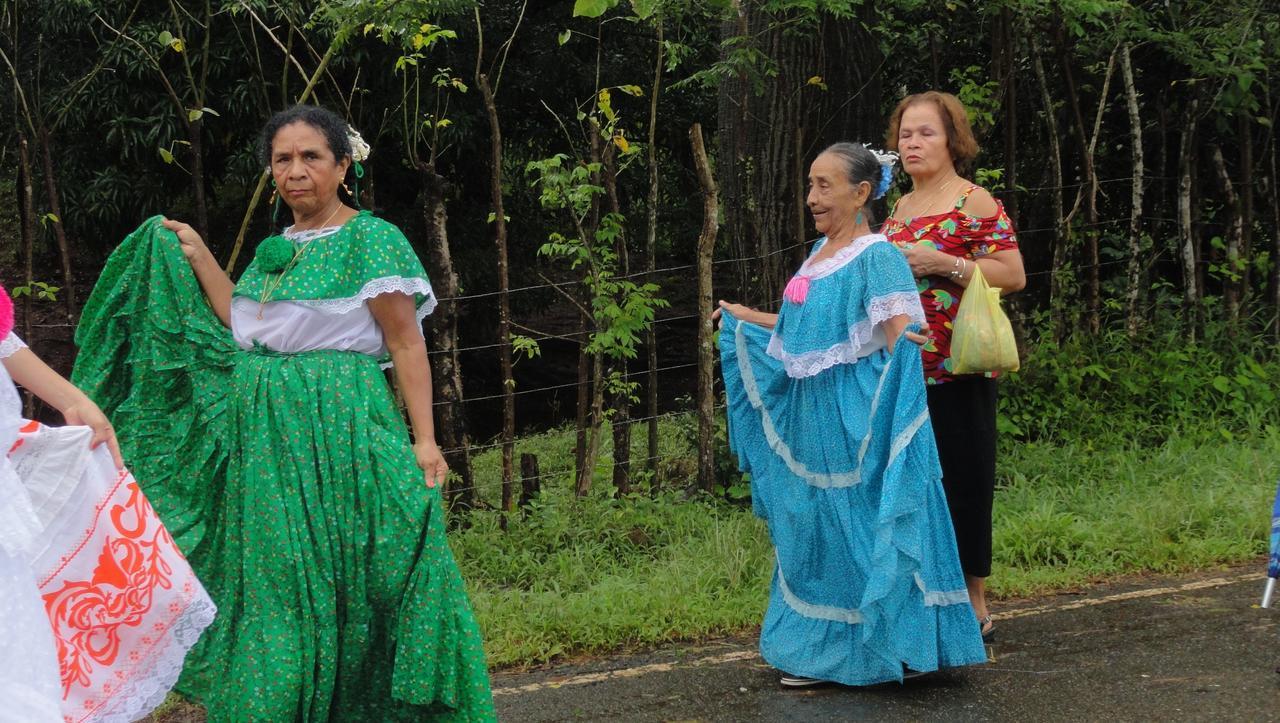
860 164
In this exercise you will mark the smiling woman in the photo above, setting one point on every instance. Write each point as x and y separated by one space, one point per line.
298 495
827 414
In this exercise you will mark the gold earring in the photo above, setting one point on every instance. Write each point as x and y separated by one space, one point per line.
274 196
347 188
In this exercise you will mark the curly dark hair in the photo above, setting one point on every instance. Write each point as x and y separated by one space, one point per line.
330 124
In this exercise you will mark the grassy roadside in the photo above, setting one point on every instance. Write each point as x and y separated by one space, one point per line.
591 575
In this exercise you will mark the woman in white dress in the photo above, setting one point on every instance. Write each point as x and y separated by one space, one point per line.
97 606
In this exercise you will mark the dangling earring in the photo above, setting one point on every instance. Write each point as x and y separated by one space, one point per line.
347 188
857 220
274 194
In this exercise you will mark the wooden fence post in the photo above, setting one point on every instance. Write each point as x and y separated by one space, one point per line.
706 351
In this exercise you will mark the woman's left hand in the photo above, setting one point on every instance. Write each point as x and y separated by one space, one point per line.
919 339
85 412
927 261
431 460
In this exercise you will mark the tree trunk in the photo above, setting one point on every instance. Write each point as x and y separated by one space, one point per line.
1009 92
826 72
1274 193
621 423
583 409
1231 280
1186 234
28 248
650 264
1133 294
1057 285
504 299
444 339
587 473
706 351
59 230
530 485
197 176
1089 191
1246 206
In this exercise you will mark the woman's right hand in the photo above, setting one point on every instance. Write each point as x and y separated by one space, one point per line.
190 241
737 310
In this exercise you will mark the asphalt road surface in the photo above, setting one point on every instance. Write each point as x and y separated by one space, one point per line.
1195 647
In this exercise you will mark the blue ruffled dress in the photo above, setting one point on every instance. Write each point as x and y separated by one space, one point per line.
834 431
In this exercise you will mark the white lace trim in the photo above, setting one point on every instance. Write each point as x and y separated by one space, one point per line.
853 616
147 688
311 234
942 597
809 610
821 479
862 341
10 345
377 287
839 259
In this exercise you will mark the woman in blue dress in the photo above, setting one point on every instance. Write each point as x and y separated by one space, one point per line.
827 413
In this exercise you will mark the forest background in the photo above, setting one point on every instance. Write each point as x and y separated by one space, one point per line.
581 177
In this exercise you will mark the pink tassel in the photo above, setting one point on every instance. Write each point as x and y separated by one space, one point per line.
797 289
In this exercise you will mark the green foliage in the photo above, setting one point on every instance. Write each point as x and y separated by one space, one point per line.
1109 390
621 309
40 289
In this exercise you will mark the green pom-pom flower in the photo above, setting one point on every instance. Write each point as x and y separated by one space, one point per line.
274 254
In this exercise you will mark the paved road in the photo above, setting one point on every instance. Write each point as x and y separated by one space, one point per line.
1195 647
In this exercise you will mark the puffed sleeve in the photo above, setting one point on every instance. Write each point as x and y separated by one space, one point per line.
381 260
10 345
889 289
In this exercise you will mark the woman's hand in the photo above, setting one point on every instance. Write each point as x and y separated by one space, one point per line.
192 245
919 339
431 460
928 261
738 310
85 412
745 313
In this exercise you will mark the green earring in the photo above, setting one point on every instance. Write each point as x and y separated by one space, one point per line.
857 220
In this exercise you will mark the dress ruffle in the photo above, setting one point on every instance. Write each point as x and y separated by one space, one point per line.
844 469
290 482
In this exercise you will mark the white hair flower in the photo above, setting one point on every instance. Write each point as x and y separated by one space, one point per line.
359 149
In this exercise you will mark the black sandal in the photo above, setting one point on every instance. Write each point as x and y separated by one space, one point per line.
986 628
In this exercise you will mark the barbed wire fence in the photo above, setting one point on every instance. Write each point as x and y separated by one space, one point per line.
483 486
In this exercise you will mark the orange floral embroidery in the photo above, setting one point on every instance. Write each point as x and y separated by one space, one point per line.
87 615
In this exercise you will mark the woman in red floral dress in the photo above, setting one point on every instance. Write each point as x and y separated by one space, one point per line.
946 227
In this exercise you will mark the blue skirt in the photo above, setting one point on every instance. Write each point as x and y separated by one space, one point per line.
845 471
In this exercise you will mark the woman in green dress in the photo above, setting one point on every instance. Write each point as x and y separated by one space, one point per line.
258 420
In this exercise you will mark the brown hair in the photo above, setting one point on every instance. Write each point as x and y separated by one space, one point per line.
955 120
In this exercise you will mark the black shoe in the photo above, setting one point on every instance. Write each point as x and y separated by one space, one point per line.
799 681
987 628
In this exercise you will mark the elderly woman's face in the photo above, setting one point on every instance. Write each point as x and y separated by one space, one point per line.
833 200
922 141
306 173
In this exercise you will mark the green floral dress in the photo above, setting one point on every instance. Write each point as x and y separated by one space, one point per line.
289 481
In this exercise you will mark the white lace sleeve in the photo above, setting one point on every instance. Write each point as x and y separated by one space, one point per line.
883 308
10 345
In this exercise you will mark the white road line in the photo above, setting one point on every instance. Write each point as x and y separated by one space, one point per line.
740 655
1131 595
629 672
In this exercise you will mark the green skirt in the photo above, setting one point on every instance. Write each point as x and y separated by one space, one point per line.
290 483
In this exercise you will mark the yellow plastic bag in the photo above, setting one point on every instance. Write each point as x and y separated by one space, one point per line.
982 339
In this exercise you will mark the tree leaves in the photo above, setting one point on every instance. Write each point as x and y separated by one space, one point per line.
592 8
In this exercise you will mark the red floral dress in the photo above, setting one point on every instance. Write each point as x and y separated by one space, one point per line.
958 234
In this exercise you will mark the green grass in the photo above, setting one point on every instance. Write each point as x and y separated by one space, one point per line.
581 576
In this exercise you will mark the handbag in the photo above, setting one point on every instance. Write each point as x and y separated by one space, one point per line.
982 337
